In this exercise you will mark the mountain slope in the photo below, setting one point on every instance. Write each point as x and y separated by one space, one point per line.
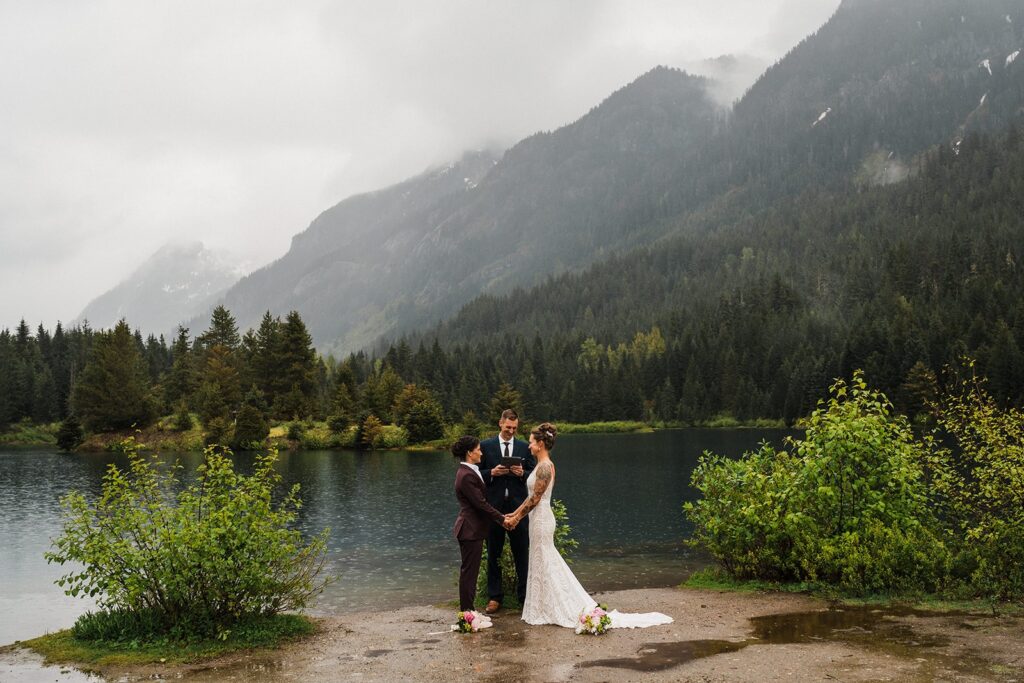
411 254
175 284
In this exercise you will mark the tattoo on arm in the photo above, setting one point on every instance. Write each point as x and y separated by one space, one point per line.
545 473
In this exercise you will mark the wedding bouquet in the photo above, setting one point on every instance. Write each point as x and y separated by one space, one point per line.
472 621
594 621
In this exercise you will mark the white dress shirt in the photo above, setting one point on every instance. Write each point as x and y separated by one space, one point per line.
474 468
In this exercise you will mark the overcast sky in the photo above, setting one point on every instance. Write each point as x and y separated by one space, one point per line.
124 125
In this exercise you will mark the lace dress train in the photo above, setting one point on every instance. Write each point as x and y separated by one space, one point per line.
553 594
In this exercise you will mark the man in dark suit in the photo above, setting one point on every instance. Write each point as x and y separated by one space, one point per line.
506 491
475 516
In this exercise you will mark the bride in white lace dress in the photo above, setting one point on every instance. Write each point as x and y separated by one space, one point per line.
553 595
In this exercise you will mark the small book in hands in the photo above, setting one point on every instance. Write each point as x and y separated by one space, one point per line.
510 461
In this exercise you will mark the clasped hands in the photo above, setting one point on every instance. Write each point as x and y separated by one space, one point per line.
511 521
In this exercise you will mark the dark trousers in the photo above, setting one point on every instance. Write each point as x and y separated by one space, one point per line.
519 540
469 571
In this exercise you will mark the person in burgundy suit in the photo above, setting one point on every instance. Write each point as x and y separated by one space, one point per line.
475 516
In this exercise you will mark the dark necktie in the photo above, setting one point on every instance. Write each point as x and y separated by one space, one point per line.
505 444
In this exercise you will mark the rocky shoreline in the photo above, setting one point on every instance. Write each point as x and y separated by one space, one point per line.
717 636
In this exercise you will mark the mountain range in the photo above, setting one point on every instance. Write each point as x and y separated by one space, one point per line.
857 104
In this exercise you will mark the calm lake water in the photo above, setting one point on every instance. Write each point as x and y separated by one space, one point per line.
391 515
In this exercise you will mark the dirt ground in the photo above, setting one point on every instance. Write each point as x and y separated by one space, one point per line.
717 636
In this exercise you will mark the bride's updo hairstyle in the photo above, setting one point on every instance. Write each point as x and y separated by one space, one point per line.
464 444
545 433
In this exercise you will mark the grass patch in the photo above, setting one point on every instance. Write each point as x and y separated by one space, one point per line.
714 578
610 427
63 647
26 433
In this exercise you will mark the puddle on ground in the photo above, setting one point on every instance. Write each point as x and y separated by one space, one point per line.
867 627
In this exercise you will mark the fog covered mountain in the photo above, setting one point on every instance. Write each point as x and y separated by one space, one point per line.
175 284
857 104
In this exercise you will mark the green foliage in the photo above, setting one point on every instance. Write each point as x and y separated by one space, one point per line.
251 429
986 488
393 436
183 418
117 639
295 430
71 434
419 412
505 397
190 562
126 631
847 505
564 543
369 433
113 391
27 433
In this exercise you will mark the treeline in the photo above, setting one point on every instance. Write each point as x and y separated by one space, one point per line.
235 384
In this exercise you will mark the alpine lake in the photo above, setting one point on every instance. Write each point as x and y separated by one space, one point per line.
390 515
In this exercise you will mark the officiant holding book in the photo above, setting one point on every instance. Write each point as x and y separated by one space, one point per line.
505 466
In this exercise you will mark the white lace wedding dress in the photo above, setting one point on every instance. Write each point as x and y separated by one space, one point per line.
553 595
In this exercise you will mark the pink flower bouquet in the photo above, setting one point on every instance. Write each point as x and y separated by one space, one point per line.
472 621
594 621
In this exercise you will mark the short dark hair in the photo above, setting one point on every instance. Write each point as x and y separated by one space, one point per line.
509 414
463 445
545 433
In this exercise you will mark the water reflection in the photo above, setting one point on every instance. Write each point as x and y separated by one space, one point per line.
390 516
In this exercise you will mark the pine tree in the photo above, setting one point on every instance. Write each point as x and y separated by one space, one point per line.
220 391
113 390
506 397
181 380
297 362
70 436
418 410
251 424
223 330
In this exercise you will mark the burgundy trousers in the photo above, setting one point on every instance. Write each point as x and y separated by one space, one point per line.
471 554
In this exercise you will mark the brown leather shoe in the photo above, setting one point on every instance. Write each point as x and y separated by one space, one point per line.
492 607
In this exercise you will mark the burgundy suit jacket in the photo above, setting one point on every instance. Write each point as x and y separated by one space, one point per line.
475 513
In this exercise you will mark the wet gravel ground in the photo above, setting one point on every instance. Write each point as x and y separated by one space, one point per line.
717 636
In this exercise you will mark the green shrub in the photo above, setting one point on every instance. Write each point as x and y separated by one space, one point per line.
986 489
847 505
251 429
338 423
318 437
193 562
182 418
295 431
71 434
393 436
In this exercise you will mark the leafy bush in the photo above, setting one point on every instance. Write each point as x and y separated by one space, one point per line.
251 429
847 505
295 431
986 489
182 418
190 563
393 436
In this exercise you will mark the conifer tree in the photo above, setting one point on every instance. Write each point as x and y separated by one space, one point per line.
223 330
113 390
181 380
